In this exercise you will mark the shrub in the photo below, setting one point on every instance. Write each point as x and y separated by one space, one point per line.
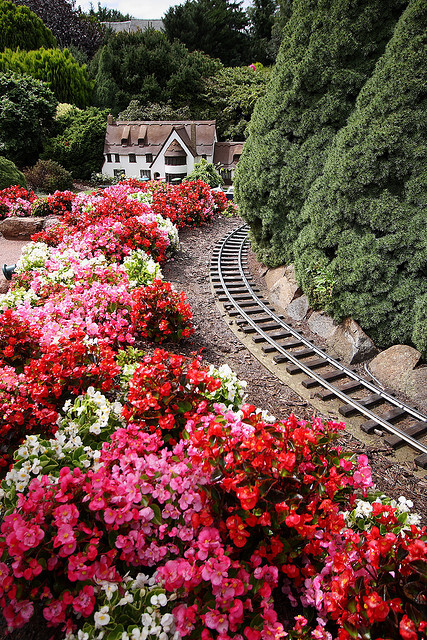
68 81
329 50
49 176
419 335
10 174
23 29
366 213
27 110
206 172
80 144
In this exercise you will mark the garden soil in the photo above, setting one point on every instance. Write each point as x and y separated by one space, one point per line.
189 272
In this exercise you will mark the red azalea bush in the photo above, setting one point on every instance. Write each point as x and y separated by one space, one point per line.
159 313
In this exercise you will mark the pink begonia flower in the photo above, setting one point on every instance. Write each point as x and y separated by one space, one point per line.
216 569
65 535
66 514
216 620
235 614
84 603
185 618
209 539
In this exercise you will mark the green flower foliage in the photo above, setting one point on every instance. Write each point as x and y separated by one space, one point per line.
66 78
328 51
79 145
27 110
20 27
366 213
10 175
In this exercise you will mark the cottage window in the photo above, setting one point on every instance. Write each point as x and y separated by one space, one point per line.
108 157
176 161
225 174
149 157
174 178
145 173
116 157
132 157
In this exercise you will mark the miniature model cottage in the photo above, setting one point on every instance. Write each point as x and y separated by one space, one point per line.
165 150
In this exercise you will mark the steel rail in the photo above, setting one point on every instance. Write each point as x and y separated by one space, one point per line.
328 359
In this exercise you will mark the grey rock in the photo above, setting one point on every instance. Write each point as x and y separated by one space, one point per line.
298 308
322 324
286 289
393 365
273 275
350 343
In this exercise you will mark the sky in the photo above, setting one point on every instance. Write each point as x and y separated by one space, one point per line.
147 9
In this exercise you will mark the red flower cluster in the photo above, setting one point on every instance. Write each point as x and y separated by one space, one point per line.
159 313
190 203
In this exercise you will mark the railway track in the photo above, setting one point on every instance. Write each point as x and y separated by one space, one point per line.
381 413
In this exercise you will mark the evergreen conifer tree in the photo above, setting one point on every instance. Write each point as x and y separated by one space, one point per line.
367 212
20 27
328 51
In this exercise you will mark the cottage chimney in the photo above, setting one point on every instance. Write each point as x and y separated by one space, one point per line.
193 136
110 119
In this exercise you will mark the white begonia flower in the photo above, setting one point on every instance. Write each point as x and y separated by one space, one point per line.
101 617
146 620
127 599
136 634
109 589
124 636
82 635
162 599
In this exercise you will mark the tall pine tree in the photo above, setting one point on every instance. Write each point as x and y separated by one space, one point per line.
328 51
366 214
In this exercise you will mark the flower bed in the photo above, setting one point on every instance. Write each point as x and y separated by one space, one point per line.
146 499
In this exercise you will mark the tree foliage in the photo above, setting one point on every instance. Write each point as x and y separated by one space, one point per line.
69 25
79 145
145 66
20 27
10 174
231 95
65 77
329 50
27 110
366 212
206 172
155 111
105 14
217 27
262 15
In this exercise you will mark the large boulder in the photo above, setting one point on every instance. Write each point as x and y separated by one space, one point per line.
20 228
350 343
286 288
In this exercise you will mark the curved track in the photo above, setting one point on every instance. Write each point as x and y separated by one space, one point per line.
400 424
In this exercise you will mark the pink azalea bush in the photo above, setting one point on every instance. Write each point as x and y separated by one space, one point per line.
145 498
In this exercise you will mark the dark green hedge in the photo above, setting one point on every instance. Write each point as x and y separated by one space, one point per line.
367 212
328 51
